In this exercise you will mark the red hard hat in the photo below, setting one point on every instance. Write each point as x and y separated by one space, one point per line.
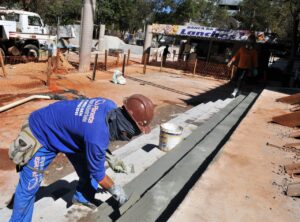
141 110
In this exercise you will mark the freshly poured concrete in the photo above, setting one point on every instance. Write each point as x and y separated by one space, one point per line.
157 199
149 177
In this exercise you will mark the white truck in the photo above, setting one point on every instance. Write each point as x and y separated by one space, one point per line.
23 33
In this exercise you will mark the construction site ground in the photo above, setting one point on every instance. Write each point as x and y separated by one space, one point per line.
246 182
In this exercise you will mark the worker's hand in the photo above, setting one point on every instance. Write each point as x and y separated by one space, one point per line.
119 194
229 64
116 164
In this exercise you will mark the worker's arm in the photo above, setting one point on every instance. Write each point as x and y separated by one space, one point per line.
106 182
96 165
234 58
115 190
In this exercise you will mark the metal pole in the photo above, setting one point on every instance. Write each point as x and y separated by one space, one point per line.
95 67
86 35
105 61
123 65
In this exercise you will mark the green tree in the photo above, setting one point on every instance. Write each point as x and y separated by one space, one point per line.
124 15
255 15
279 16
205 12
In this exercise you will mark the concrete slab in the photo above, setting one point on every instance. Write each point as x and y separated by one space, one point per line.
160 167
157 199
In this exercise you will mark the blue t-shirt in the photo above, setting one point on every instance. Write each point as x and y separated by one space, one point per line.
75 126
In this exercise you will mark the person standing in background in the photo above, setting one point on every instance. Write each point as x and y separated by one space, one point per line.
165 54
246 58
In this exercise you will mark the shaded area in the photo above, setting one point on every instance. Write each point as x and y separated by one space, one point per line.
149 147
158 86
59 189
224 91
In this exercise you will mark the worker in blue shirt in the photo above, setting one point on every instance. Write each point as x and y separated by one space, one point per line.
82 130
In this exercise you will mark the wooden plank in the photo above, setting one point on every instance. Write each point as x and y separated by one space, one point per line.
292 145
295 134
292 168
295 108
292 99
293 190
290 119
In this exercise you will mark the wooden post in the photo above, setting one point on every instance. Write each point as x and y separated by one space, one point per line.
293 190
174 54
105 61
2 65
49 71
128 55
208 53
195 66
95 67
123 65
57 59
145 62
161 64
118 58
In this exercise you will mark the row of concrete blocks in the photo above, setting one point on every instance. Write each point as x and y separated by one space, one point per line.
158 191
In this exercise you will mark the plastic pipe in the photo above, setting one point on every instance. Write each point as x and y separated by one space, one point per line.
19 102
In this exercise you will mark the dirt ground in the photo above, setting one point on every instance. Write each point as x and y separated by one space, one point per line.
247 181
171 91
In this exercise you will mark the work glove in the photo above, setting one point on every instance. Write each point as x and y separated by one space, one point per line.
115 163
119 194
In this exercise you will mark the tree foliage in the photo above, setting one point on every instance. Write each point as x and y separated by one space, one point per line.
279 16
205 12
125 15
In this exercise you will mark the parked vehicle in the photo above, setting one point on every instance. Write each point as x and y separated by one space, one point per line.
23 33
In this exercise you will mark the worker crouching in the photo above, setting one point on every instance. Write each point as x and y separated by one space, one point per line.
81 129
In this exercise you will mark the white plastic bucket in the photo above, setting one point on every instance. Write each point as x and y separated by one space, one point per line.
170 136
